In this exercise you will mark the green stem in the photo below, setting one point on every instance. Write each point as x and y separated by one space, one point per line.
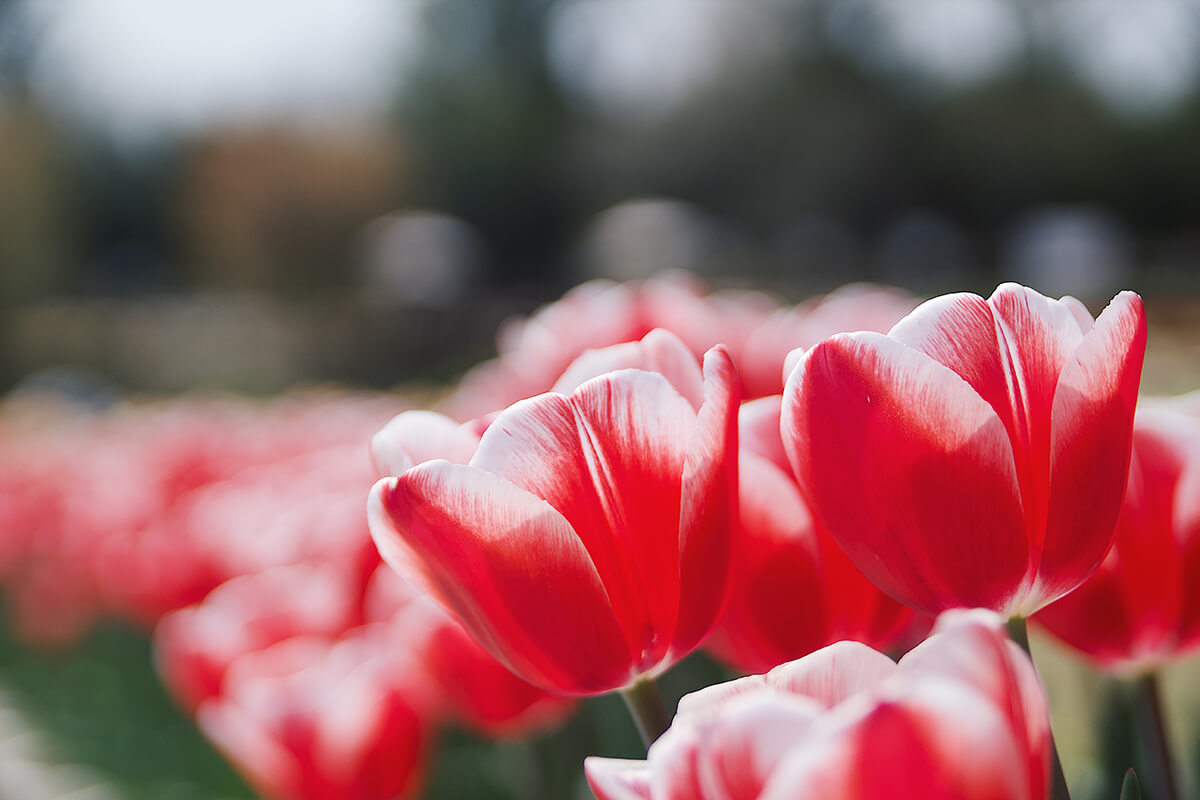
647 709
1153 729
1018 630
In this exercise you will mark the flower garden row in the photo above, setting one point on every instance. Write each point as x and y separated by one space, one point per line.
708 470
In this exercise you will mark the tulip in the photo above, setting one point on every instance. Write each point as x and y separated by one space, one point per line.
961 717
977 454
195 646
533 352
793 590
1141 609
853 307
586 543
318 719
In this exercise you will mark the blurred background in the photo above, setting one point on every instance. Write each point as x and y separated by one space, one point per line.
218 195
247 196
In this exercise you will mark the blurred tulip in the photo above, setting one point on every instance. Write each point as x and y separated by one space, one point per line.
793 591
756 330
854 307
166 501
978 453
534 352
586 543
194 646
961 717
1141 609
314 719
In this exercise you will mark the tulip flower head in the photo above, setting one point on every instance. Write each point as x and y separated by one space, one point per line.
962 716
1141 609
312 718
586 542
976 455
195 646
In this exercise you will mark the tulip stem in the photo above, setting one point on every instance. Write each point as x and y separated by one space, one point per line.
1018 630
1152 726
646 707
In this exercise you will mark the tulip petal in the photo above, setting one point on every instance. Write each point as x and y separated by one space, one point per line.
675 764
414 437
1092 428
972 647
959 331
834 673
777 607
708 514
617 778
1011 349
737 755
509 567
828 677
946 526
1078 310
758 430
936 741
1129 613
658 351
609 459
263 760
1039 336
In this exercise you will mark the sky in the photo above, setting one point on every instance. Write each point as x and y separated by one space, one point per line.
132 65
137 66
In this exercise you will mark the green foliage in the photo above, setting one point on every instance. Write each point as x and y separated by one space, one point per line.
101 705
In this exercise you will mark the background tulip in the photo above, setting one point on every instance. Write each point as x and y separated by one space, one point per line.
793 589
1141 609
853 307
961 716
757 330
195 646
978 453
314 719
586 543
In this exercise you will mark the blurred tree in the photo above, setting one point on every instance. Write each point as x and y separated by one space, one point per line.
489 127
36 212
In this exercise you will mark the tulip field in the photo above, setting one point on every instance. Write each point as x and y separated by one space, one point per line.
669 544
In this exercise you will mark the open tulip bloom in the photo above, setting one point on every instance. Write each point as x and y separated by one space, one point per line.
585 543
961 717
976 455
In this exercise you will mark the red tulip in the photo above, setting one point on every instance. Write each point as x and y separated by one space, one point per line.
586 544
534 351
793 590
1141 609
194 646
977 454
598 314
961 717
314 719
853 307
